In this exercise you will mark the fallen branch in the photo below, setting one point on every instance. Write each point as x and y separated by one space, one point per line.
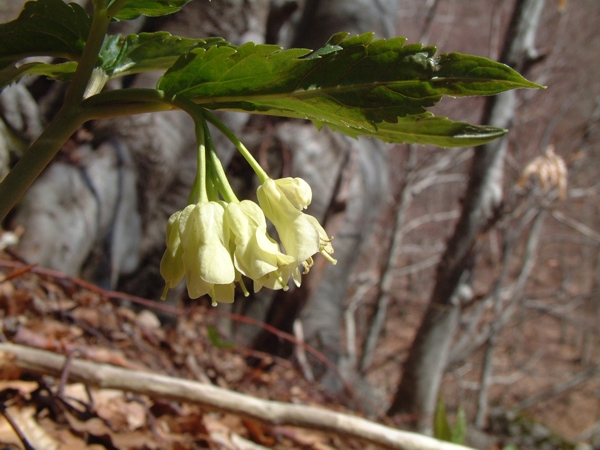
215 398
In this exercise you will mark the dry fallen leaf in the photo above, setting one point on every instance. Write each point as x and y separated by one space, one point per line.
25 420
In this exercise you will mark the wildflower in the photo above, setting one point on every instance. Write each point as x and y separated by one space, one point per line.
171 264
208 265
296 190
255 253
301 234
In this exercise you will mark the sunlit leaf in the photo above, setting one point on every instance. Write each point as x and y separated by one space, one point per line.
45 28
367 88
60 72
426 129
148 51
151 8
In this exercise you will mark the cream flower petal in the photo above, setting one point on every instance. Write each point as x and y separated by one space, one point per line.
171 264
297 233
205 256
296 190
256 255
222 293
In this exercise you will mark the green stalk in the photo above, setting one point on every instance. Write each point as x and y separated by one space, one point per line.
88 60
220 177
195 112
34 160
66 122
124 102
201 177
115 8
262 175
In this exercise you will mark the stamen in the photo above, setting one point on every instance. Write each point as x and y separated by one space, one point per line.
243 286
307 265
284 286
328 257
212 296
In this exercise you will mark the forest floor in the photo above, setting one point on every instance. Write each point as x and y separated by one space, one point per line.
48 310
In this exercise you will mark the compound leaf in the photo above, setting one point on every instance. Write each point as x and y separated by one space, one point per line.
354 85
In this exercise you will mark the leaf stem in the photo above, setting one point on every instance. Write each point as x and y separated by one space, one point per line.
122 102
35 159
66 122
115 8
88 60
262 175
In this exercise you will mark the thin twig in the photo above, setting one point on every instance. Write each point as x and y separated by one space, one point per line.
558 389
497 324
300 353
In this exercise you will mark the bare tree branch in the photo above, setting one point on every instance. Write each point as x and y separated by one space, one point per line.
215 398
497 324
558 389
576 225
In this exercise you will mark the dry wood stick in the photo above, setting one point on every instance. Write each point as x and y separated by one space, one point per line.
215 398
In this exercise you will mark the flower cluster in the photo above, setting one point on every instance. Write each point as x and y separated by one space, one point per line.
213 243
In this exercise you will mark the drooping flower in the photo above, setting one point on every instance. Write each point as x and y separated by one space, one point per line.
255 254
171 264
296 190
301 234
208 265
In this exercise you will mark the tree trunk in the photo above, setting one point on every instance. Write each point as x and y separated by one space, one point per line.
349 179
417 392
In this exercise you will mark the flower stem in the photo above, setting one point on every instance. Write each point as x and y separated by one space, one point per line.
262 175
196 113
220 177
202 193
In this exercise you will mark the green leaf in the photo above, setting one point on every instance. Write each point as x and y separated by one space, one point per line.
119 56
60 72
216 340
459 430
152 8
366 88
148 51
441 428
45 28
426 129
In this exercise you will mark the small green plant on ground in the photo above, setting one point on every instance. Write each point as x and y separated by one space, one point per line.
442 429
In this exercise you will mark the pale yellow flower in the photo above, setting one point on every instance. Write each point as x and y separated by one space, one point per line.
208 265
171 264
301 234
296 190
255 254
